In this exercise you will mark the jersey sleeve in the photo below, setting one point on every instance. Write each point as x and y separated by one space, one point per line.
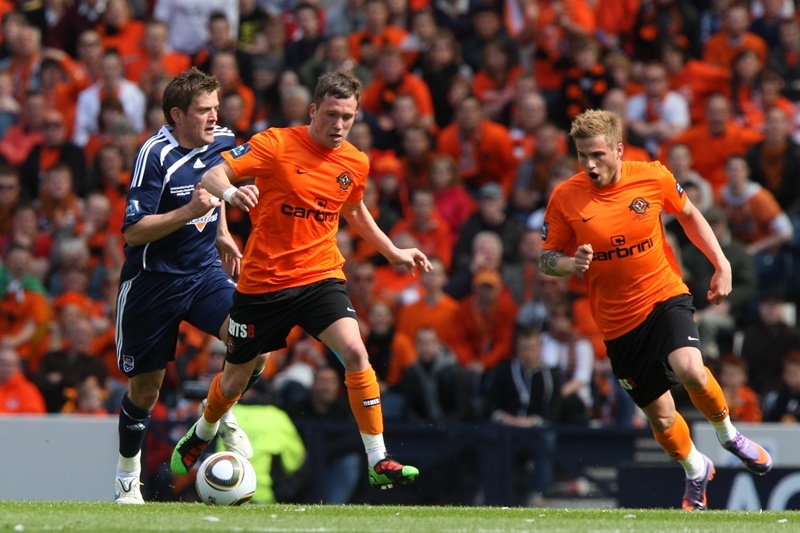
557 234
147 184
256 156
672 192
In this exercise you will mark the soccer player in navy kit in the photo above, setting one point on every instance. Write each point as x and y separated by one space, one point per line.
172 272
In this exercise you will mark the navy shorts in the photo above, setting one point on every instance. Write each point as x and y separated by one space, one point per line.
639 357
260 323
151 306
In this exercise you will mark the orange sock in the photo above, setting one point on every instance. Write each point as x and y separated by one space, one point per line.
364 394
676 441
710 400
218 404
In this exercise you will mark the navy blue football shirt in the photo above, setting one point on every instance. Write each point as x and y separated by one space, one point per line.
164 178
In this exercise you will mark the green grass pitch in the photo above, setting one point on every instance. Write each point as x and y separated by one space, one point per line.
39 516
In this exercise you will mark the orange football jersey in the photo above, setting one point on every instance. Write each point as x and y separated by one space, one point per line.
633 267
302 187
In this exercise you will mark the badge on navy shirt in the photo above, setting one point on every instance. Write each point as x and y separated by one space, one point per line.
240 150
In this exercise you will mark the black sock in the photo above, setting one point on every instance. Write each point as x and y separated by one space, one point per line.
132 427
253 379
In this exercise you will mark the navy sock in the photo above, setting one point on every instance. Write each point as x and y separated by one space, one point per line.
132 427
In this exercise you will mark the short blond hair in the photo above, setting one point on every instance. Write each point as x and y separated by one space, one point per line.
596 122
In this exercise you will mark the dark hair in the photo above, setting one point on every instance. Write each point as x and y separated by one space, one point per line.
181 91
340 85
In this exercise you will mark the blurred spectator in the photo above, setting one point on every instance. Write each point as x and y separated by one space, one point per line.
82 15
426 225
782 404
54 150
586 80
188 21
391 351
112 178
771 328
723 46
10 194
680 163
620 68
385 215
520 276
615 20
484 334
490 216
530 115
111 82
494 81
658 114
525 392
435 309
62 80
665 19
756 219
326 401
17 394
69 366
89 54
435 387
335 56
12 24
392 79
267 64
377 34
25 232
220 39
252 17
692 78
118 29
439 66
24 309
742 401
60 208
50 17
775 161
226 69
453 203
9 106
533 173
782 57
20 138
486 252
89 399
24 63
309 34
698 272
563 348
712 18
295 101
231 113
714 140
153 57
766 16
422 31
744 89
416 148
362 290
395 281
481 148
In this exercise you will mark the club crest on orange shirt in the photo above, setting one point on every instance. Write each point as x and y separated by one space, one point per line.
344 180
639 206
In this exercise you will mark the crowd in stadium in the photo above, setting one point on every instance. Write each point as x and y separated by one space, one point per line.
464 115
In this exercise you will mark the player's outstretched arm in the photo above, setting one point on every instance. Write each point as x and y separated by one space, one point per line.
218 181
702 236
557 263
360 219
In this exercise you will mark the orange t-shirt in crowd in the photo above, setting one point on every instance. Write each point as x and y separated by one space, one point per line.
302 188
487 156
718 50
633 267
391 36
16 310
696 82
20 396
709 152
442 316
485 337
127 40
378 96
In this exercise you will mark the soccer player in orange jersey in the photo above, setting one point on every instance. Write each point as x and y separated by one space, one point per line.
605 223
305 178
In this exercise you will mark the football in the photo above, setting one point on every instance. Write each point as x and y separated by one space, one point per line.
225 478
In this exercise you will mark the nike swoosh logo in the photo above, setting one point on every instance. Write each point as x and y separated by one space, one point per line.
692 338
301 171
351 309
587 219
